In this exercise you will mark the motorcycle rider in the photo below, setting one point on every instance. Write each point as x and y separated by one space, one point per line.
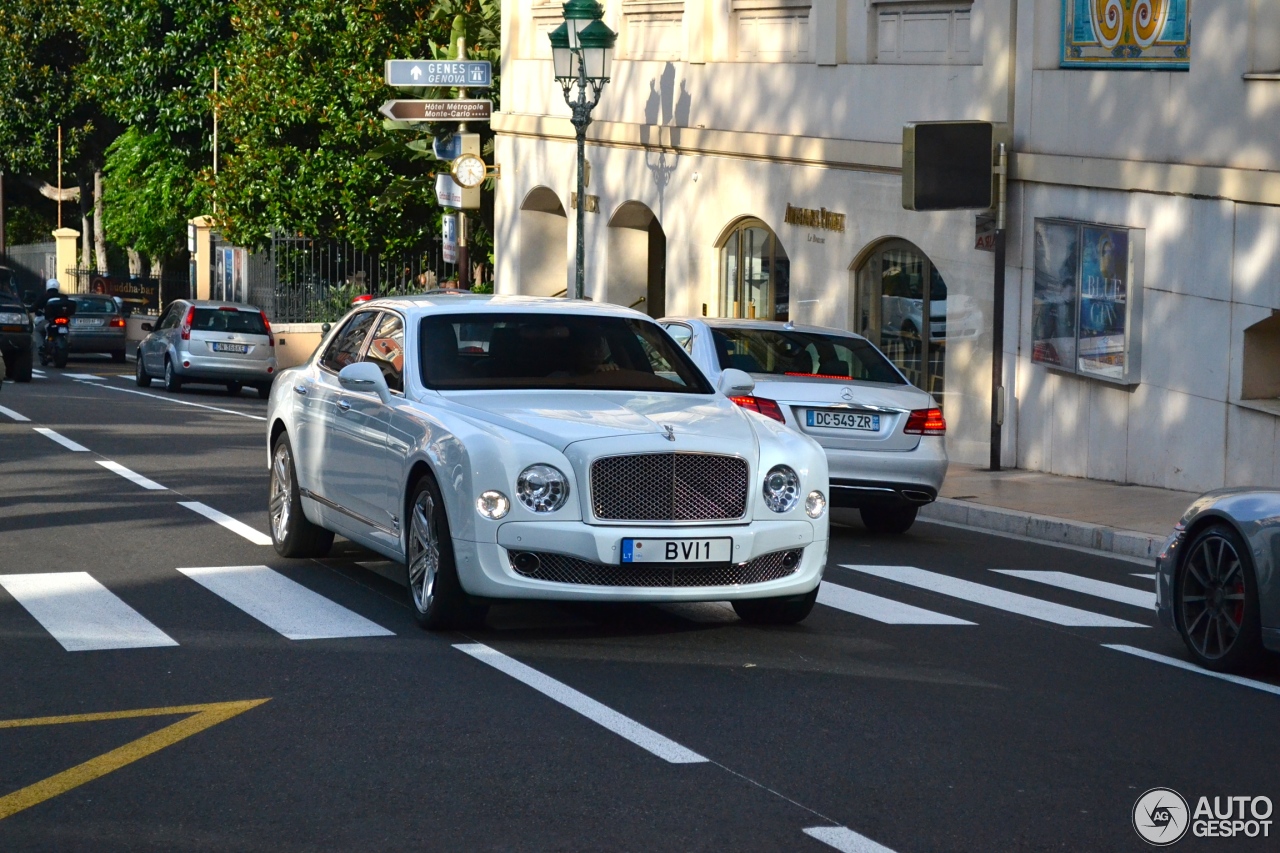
50 292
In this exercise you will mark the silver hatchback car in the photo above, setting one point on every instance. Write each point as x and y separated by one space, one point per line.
201 341
883 436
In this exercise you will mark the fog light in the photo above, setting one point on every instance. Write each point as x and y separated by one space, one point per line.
525 562
815 504
492 504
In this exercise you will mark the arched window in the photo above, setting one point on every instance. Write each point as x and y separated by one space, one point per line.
897 288
755 273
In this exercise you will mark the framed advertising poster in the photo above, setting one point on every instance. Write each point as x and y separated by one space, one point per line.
1087 299
1134 34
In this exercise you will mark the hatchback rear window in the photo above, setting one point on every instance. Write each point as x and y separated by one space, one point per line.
94 304
786 352
234 320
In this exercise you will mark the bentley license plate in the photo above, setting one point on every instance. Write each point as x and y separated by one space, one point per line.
677 550
230 348
840 419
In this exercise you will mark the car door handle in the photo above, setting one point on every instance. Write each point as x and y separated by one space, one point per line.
300 389
344 406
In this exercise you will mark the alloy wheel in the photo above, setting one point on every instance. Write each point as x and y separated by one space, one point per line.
424 551
1213 597
281 502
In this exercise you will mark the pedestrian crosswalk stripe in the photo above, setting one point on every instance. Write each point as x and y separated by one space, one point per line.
1011 602
884 610
1088 586
283 605
14 416
1190 667
1141 575
234 525
845 840
61 439
88 377
82 614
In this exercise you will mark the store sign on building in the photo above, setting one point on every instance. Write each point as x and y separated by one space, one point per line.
822 218
1126 34
1087 299
984 232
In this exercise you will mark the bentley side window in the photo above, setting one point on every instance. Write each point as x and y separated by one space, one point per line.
345 347
386 350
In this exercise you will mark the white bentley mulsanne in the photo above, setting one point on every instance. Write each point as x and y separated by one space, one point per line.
519 448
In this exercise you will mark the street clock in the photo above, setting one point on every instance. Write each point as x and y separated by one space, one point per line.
468 171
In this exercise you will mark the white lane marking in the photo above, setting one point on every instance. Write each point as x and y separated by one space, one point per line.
1088 586
845 840
1141 575
82 614
179 402
1190 667
1094 552
88 377
61 439
228 522
621 725
12 415
133 476
1012 602
283 605
884 610
39 373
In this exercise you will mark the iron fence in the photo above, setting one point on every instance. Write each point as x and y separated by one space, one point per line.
144 294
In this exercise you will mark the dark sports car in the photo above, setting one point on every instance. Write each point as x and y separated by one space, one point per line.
1218 577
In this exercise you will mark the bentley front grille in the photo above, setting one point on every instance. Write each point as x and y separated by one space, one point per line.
563 569
669 487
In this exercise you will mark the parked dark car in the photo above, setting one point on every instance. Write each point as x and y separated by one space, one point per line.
98 326
15 330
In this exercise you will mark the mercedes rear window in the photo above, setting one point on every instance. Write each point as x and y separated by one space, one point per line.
553 351
787 352
228 320
94 304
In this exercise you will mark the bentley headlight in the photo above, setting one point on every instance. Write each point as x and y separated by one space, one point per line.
542 488
781 489
493 504
815 504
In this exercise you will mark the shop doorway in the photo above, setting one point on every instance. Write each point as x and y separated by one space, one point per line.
544 241
755 273
637 260
896 288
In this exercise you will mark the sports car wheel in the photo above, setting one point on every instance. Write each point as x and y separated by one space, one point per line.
787 610
1215 600
140 376
439 601
172 382
291 533
882 520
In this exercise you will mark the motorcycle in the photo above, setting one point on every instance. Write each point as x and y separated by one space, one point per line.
57 332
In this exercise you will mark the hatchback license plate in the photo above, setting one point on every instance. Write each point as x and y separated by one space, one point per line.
231 348
677 550
838 419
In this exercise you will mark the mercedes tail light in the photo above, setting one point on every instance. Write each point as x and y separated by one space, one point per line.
271 339
764 406
116 323
185 328
926 422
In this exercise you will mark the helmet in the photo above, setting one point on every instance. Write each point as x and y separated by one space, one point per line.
51 284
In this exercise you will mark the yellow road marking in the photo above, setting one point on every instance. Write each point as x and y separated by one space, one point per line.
204 717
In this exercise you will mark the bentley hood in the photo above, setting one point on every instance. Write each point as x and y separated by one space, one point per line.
561 418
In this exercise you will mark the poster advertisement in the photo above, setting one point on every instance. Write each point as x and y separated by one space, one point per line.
238 290
1133 34
450 236
1087 299
1053 298
226 270
1103 301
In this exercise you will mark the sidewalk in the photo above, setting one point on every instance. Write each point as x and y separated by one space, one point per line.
1132 521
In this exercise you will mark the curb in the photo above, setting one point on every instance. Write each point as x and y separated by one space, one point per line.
1048 528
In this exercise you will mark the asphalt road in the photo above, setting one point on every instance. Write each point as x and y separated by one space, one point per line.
942 707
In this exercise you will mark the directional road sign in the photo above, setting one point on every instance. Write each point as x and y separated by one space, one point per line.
454 110
430 72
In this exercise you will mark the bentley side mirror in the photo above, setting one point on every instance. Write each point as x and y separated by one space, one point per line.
735 383
365 377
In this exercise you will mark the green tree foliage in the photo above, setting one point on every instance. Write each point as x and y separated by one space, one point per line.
299 108
149 195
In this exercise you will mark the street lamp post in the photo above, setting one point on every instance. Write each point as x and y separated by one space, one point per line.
582 56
